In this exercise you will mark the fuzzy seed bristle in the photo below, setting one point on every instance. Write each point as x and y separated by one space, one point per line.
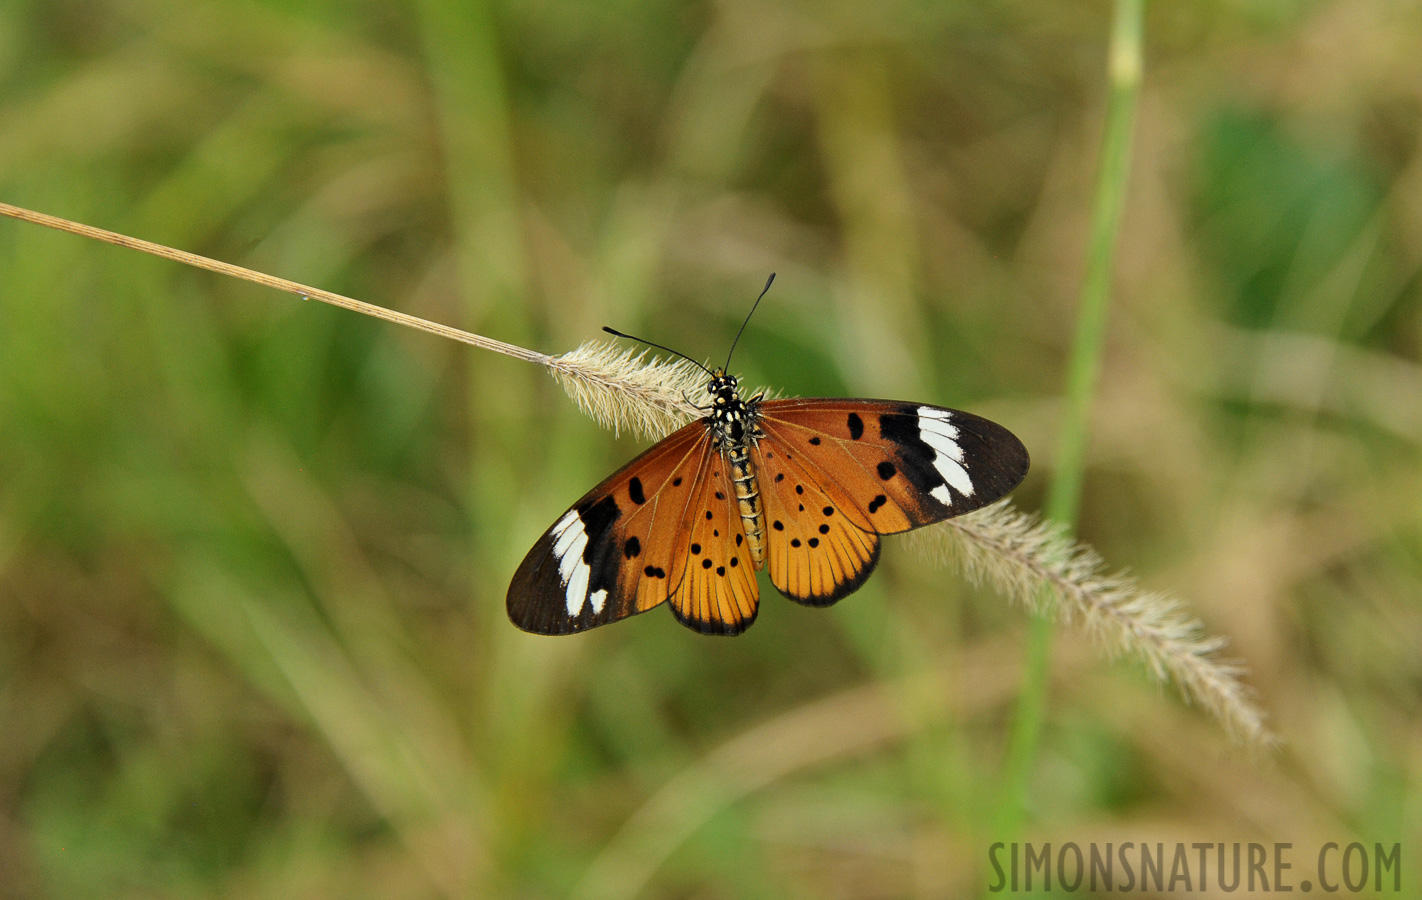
1037 564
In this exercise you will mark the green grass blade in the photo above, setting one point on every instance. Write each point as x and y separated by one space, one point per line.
1084 367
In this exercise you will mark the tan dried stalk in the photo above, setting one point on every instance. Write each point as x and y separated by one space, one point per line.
1035 563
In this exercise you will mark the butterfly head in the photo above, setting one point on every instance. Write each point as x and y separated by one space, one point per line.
722 386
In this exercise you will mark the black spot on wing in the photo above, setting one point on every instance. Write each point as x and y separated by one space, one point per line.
633 547
887 470
603 567
597 517
600 554
915 457
634 490
856 426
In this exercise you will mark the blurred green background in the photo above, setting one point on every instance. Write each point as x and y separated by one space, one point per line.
253 551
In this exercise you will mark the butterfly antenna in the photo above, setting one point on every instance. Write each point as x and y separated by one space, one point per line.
768 282
614 332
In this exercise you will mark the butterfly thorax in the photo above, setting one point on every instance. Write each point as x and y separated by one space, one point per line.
733 422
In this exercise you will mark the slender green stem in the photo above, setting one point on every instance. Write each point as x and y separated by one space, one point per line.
1065 490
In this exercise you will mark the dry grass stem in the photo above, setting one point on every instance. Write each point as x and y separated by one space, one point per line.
618 388
291 287
1039 565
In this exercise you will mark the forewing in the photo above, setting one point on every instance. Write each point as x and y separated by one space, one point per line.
897 466
716 588
613 554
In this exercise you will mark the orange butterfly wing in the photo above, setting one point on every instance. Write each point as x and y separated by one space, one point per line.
717 594
879 467
613 553
641 536
814 549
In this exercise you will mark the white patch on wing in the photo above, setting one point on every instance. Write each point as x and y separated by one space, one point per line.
578 588
567 530
568 546
597 599
956 475
942 437
935 431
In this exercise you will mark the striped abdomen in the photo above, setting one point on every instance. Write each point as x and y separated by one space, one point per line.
748 499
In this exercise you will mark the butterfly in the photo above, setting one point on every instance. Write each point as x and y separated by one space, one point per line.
803 488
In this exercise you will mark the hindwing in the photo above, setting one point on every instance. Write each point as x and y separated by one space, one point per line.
716 590
819 548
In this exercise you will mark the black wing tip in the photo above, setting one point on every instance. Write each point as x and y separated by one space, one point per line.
554 623
537 612
544 629
1009 461
1002 463
535 617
